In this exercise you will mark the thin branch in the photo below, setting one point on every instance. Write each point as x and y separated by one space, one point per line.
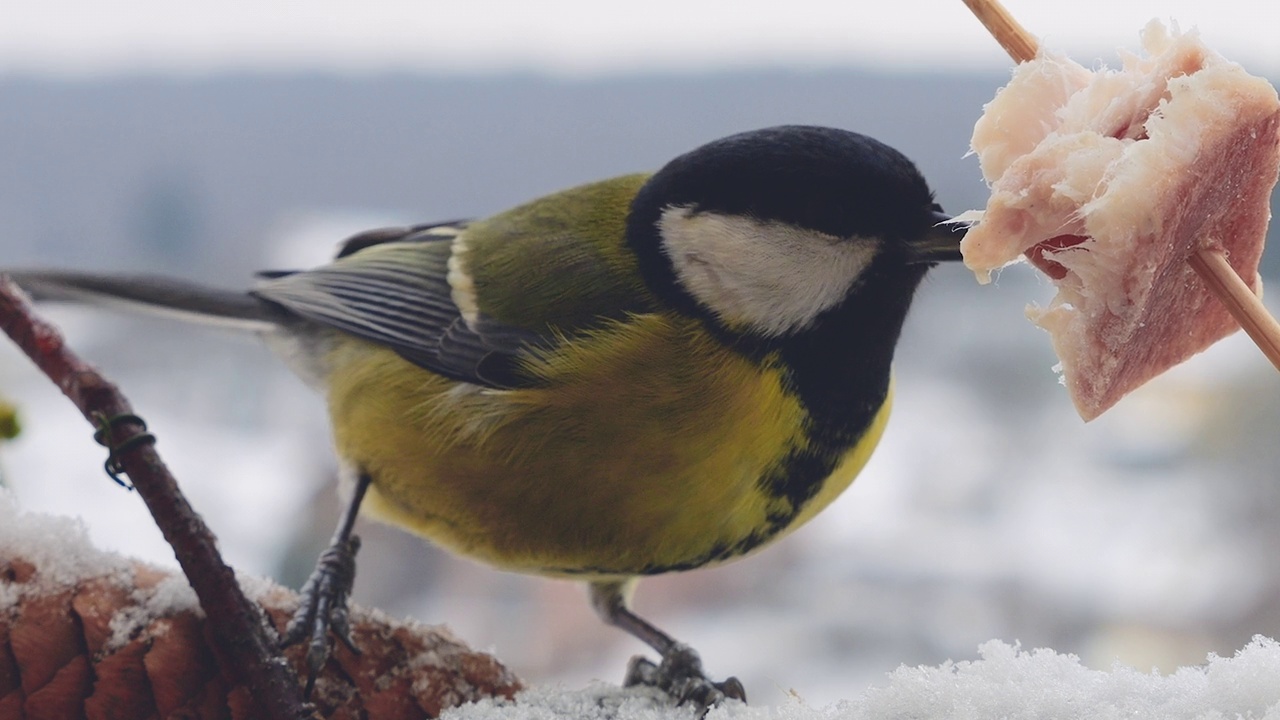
238 625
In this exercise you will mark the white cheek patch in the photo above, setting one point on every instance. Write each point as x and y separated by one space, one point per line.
770 276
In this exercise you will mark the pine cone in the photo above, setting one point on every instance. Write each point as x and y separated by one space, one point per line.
130 642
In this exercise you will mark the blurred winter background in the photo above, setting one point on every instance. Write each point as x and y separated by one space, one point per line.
211 140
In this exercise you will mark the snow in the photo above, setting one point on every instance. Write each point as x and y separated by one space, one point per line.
170 597
1005 682
60 550
57 545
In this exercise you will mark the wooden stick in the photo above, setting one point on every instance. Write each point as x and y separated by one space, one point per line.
1020 44
1209 263
1213 268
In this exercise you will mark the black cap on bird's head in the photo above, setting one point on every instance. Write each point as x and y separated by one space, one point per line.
832 181
766 231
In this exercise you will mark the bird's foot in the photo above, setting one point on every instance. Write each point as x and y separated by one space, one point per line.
680 676
323 607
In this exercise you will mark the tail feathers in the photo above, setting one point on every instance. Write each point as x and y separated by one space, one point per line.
159 295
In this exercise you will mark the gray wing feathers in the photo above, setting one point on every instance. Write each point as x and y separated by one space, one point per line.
397 294
158 295
390 287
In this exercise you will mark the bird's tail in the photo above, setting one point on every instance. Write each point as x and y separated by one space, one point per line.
153 294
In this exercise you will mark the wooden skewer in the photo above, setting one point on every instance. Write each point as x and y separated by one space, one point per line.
1213 268
1210 264
1020 44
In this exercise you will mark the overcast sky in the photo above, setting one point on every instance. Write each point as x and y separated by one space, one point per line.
583 37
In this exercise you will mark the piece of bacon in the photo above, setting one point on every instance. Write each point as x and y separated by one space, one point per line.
1108 181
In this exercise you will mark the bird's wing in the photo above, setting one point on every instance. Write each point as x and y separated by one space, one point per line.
425 292
391 287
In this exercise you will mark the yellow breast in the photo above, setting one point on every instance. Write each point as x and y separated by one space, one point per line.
644 449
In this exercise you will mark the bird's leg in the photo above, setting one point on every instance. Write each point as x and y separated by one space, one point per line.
323 601
680 672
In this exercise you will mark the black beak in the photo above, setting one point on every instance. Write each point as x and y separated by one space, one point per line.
942 242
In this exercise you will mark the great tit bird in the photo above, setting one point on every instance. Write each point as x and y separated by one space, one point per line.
643 375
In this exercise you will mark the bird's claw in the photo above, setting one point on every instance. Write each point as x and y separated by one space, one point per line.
323 607
681 677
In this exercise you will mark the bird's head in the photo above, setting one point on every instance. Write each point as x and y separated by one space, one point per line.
768 233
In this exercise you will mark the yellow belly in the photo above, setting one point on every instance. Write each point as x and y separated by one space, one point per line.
642 452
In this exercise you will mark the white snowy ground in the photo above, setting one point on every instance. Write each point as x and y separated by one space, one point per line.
1007 682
